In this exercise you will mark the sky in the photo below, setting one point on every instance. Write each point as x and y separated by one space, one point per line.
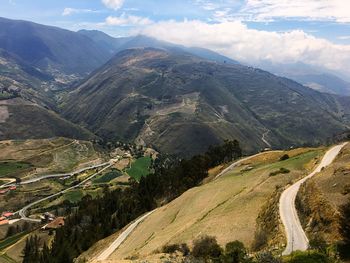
315 32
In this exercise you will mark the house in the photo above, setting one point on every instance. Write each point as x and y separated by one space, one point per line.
7 214
2 192
13 187
57 223
4 222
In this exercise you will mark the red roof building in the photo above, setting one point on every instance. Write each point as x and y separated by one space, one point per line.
7 214
4 222
13 187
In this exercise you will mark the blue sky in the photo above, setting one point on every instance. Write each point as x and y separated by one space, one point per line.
280 31
92 13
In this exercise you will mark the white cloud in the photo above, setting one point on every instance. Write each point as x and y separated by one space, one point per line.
71 11
113 4
266 10
344 37
236 40
127 20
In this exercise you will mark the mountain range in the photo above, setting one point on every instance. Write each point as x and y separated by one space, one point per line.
56 82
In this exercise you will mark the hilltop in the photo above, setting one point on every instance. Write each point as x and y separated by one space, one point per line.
180 103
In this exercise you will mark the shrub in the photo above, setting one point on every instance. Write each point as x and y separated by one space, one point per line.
345 230
206 247
280 171
318 243
235 252
309 257
267 257
284 157
170 249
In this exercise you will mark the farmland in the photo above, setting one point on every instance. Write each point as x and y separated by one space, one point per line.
139 168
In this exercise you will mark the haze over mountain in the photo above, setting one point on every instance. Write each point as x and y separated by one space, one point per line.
316 78
178 102
51 49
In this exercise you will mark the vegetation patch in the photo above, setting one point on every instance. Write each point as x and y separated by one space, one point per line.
73 196
107 177
11 240
140 168
280 171
7 168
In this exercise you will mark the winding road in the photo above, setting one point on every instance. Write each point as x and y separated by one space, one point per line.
22 212
107 252
49 176
296 237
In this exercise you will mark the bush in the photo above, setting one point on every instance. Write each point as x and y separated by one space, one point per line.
284 157
235 252
280 171
206 247
267 257
309 257
318 243
344 247
170 249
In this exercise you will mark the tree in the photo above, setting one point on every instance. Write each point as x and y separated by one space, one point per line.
206 247
31 252
345 230
235 252
267 257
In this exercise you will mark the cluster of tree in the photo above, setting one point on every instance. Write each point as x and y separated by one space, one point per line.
98 218
206 249
344 246
13 230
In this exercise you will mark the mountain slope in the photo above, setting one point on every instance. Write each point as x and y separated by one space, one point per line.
50 48
21 119
229 208
316 78
180 103
140 41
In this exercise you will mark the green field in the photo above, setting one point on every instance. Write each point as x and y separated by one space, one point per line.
107 177
140 168
73 196
7 168
11 240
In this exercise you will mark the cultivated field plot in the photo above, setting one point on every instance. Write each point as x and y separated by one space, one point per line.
46 155
226 208
139 168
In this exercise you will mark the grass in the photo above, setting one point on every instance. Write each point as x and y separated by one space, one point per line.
139 168
7 168
226 208
107 177
73 196
11 240
280 171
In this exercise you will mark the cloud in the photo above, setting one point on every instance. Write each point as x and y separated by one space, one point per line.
236 40
127 20
113 4
71 11
267 10
344 37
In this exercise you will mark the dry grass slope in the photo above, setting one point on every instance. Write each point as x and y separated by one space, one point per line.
226 208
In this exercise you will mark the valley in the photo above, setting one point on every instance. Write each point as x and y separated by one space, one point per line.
136 149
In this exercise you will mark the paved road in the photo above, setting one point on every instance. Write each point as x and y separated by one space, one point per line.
106 253
23 211
296 237
48 176
226 170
